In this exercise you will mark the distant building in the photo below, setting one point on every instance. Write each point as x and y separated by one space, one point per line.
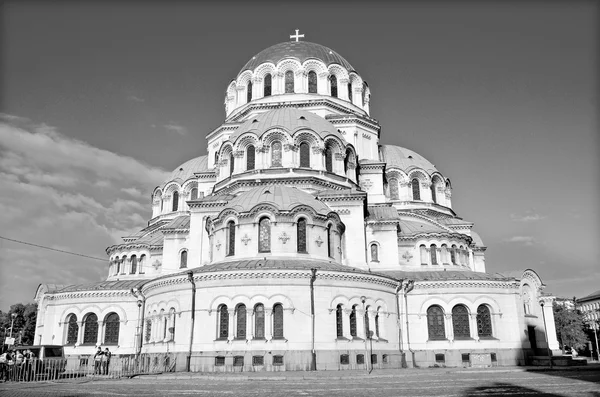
590 307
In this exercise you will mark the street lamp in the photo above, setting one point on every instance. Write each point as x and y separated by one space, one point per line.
546 332
594 327
14 315
363 299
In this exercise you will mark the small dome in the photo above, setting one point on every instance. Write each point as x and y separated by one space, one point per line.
283 198
300 50
406 160
290 119
187 169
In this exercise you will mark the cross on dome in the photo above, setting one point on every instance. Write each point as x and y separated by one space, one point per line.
297 36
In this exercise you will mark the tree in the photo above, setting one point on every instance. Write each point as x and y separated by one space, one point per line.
570 326
24 324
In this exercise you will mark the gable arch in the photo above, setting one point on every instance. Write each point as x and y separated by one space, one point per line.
338 71
218 301
288 64
339 300
314 65
261 71
244 78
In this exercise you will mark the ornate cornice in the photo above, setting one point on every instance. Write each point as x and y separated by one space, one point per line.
510 284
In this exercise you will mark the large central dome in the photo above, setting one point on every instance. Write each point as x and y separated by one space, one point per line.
301 50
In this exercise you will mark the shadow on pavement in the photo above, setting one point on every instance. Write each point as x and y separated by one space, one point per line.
505 389
575 374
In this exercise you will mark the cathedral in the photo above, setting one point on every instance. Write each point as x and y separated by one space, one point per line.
300 241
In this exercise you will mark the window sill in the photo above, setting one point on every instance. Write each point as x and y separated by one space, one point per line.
221 339
463 338
487 338
438 340
279 338
341 338
262 338
531 316
382 340
357 338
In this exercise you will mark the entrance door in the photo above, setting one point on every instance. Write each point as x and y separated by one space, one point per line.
532 340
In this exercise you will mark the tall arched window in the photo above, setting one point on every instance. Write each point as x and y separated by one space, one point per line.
259 321
444 254
267 85
304 155
223 322
416 192
216 158
111 329
133 261
377 323
148 330
328 159
276 154
367 325
249 92
194 194
353 321
453 254
333 85
250 157
175 201
240 313
433 254
231 163
172 324
72 329
350 92
264 235
90 329
423 252
141 263
312 82
484 321
183 259
123 264
374 253
118 262
278 321
330 241
460 322
289 82
435 323
339 321
393 184
433 197
230 238
301 235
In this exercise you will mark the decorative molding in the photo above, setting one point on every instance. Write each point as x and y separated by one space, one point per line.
284 237
319 241
407 256
246 239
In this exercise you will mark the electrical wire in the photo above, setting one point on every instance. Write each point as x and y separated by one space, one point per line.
53 249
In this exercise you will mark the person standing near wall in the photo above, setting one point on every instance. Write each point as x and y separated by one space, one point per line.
98 361
106 362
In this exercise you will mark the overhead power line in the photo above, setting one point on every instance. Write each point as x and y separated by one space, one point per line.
53 249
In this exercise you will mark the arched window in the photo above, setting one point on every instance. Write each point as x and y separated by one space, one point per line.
118 262
353 321
444 254
250 157
148 330
339 321
312 82
328 159
435 323
249 92
301 235
433 254
460 322
433 197
304 155
90 329
264 235
223 322
183 259
484 321
367 325
289 82
278 321
415 189
231 164
330 241
175 201
123 264
259 321
111 329
133 261
194 194
423 252
72 329
453 254
172 324
240 322
230 238
276 154
350 92
267 85
377 323
393 184
333 85
216 158
141 263
374 253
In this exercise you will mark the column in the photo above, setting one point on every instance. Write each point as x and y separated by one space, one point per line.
100 338
473 326
249 323
268 324
231 330
346 323
448 327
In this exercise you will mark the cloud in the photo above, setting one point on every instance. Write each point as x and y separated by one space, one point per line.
525 240
174 127
66 194
529 216
134 98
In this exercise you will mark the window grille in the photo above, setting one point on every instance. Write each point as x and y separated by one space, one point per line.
183 260
465 357
374 253
231 164
111 329
433 254
194 194
330 241
328 159
133 264
90 330
278 360
433 197
238 361
241 322
278 321
264 235
164 334
384 359
460 322
484 321
267 85
219 361
304 155
377 325
453 255
249 92
440 358
360 358
123 262
250 158
258 360
353 321
141 264
344 359
367 325
172 327
72 330
435 323
289 82
230 238
276 154
175 201
148 330
394 193
301 235
259 321
312 82
223 322
373 358
333 85
339 321
415 189
350 93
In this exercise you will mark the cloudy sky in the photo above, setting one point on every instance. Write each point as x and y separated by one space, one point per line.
100 100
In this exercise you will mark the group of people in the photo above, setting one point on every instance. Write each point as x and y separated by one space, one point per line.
17 365
102 361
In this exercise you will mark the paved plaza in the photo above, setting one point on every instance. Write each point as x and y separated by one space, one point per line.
411 382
